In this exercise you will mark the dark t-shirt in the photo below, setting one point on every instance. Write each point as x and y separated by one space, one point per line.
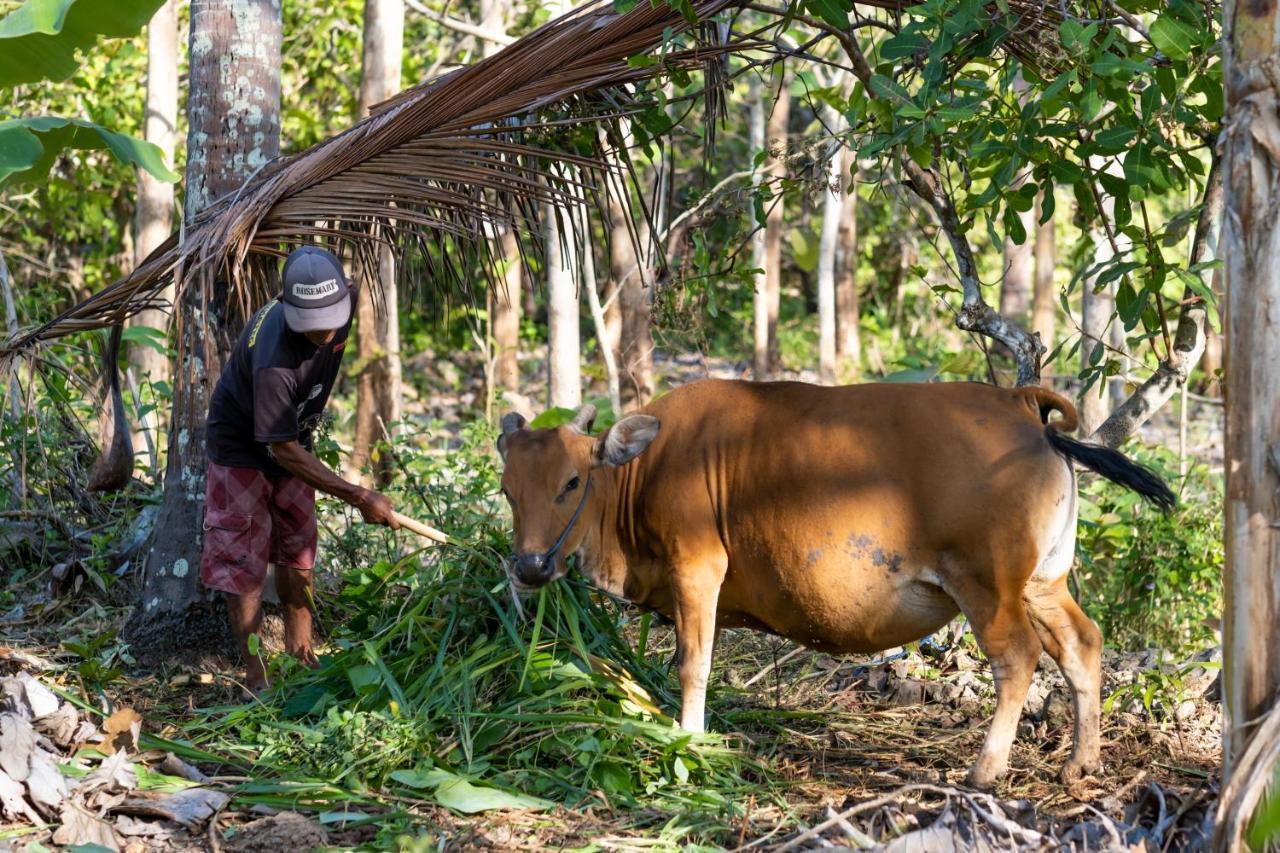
273 388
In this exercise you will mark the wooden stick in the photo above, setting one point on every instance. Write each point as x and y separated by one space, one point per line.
421 529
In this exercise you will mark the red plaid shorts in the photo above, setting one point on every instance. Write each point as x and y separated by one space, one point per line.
250 520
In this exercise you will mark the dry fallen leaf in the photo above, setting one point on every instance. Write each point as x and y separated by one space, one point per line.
122 728
80 827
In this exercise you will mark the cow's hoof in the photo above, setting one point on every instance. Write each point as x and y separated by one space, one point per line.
983 778
1077 768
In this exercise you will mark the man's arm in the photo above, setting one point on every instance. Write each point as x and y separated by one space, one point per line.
293 458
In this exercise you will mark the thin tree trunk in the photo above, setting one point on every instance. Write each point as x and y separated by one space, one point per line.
1043 305
590 285
761 299
563 344
848 346
777 135
233 114
1019 259
1095 311
1211 363
828 242
378 394
505 317
1251 244
154 219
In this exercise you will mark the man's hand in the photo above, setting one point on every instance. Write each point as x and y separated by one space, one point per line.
376 509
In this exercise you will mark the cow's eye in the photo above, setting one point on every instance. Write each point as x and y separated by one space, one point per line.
571 485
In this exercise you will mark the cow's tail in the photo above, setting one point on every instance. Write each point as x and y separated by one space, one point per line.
1112 464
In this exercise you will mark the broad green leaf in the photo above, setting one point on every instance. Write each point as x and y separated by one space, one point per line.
39 39
1114 139
834 12
1173 36
890 89
1140 166
905 44
46 136
461 796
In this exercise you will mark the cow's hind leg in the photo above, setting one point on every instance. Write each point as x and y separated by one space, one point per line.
1071 639
1006 636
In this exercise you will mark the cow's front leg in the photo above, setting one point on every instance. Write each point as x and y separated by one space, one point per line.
696 595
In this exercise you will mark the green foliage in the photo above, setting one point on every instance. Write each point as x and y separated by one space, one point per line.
40 39
28 147
1152 580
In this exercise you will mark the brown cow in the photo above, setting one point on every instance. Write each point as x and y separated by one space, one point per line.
847 519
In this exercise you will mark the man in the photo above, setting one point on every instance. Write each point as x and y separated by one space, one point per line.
260 501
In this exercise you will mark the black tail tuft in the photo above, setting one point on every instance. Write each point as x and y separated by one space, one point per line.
1116 467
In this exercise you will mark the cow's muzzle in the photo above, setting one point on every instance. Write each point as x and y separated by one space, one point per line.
534 570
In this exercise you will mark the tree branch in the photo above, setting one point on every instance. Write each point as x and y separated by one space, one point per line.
464 27
1189 338
975 315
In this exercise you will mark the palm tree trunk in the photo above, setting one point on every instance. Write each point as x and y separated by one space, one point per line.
233 116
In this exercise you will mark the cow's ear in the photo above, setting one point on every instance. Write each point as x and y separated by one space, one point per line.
512 422
626 440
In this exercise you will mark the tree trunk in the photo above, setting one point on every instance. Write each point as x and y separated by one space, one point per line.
377 308
589 283
760 302
563 345
1095 311
828 243
1211 363
777 134
154 220
505 319
635 341
1015 286
1043 306
1251 638
233 115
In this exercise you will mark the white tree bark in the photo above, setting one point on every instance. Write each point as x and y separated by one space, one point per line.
564 356
760 303
848 345
604 337
828 242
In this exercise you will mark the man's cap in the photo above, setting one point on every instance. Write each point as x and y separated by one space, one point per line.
316 296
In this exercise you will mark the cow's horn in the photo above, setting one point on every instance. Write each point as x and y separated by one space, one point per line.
511 422
583 420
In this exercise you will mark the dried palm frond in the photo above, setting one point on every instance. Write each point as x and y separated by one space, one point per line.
434 168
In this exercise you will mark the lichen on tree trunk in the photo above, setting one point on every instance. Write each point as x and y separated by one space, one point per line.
233 112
